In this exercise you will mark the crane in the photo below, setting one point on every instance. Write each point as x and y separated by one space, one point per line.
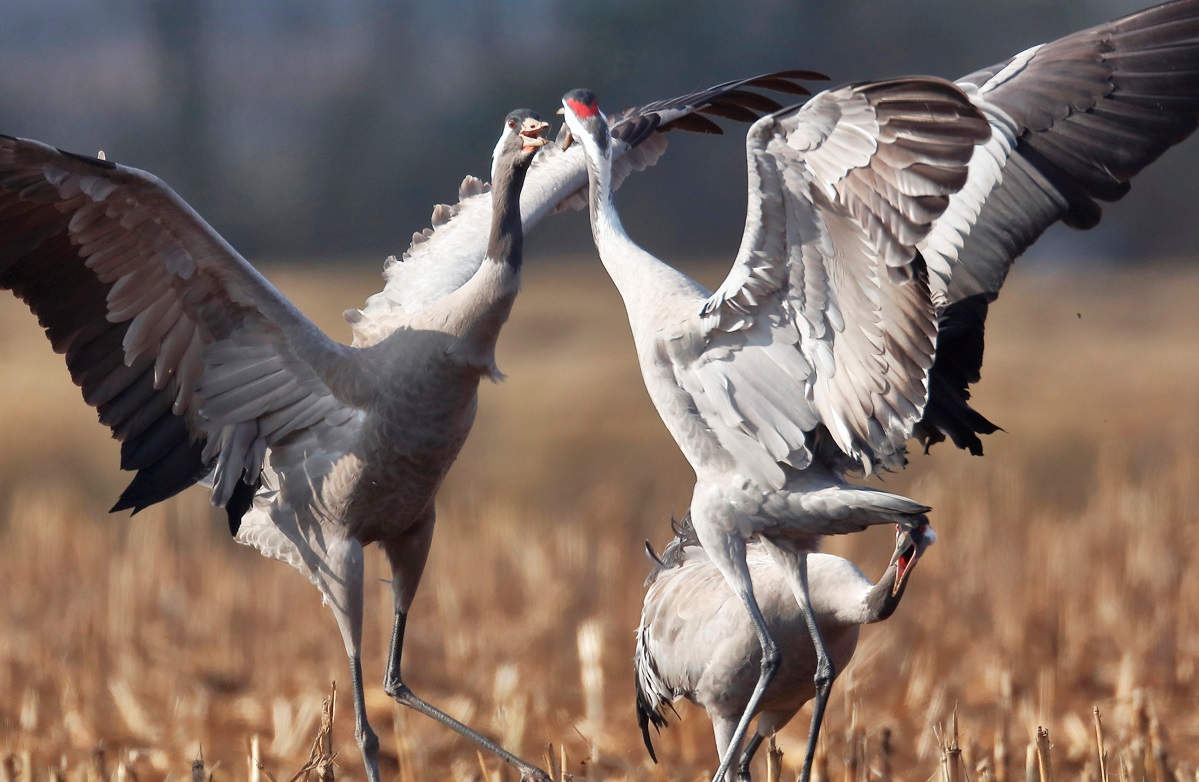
695 641
878 213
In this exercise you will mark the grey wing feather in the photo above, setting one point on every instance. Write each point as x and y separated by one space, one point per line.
1074 120
189 355
842 190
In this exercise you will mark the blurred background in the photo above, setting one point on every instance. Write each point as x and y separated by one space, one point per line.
329 129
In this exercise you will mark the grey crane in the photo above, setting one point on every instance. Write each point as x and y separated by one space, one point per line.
878 214
200 366
205 372
696 641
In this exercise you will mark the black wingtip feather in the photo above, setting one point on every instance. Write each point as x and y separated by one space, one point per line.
958 364
240 502
177 470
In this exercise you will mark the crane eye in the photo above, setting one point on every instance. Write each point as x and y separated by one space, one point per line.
512 123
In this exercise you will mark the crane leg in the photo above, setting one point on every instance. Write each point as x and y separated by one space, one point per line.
795 565
394 686
368 742
727 551
747 756
342 587
770 664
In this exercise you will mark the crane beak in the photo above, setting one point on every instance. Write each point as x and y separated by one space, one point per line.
570 139
909 547
530 131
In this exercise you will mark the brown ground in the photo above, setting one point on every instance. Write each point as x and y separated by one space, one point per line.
1063 579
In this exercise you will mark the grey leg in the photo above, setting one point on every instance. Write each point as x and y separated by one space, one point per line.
368 742
747 756
394 686
770 664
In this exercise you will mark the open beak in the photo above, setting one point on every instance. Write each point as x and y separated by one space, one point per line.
530 131
907 553
570 139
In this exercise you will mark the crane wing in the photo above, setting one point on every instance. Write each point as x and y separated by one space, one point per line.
194 361
444 256
842 189
1072 122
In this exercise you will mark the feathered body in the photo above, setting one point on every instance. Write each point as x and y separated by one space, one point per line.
696 640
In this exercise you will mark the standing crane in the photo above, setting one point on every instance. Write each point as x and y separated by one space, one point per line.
696 641
206 373
878 213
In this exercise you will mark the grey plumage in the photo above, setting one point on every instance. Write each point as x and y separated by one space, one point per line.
696 641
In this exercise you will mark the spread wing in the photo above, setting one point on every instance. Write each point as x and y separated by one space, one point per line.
444 256
193 360
842 190
1072 122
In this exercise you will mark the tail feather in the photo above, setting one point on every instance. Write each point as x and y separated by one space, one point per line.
650 701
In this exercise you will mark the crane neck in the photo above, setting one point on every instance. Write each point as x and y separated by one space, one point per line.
506 242
882 599
634 271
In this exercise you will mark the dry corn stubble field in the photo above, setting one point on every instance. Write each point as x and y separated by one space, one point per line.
1063 578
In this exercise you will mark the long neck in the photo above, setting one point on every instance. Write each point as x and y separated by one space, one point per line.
880 603
626 263
506 244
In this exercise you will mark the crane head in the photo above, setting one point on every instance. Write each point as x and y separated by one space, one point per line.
529 130
581 107
910 545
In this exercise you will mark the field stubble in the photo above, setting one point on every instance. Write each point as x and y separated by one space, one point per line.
1064 578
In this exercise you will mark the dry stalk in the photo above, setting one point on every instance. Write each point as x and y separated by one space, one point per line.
1161 756
774 762
562 764
951 754
1002 755
321 756
1001 752
255 760
1044 762
590 641
1140 715
1031 771
27 767
885 755
198 767
1136 759
551 764
98 770
852 758
1099 746
328 710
